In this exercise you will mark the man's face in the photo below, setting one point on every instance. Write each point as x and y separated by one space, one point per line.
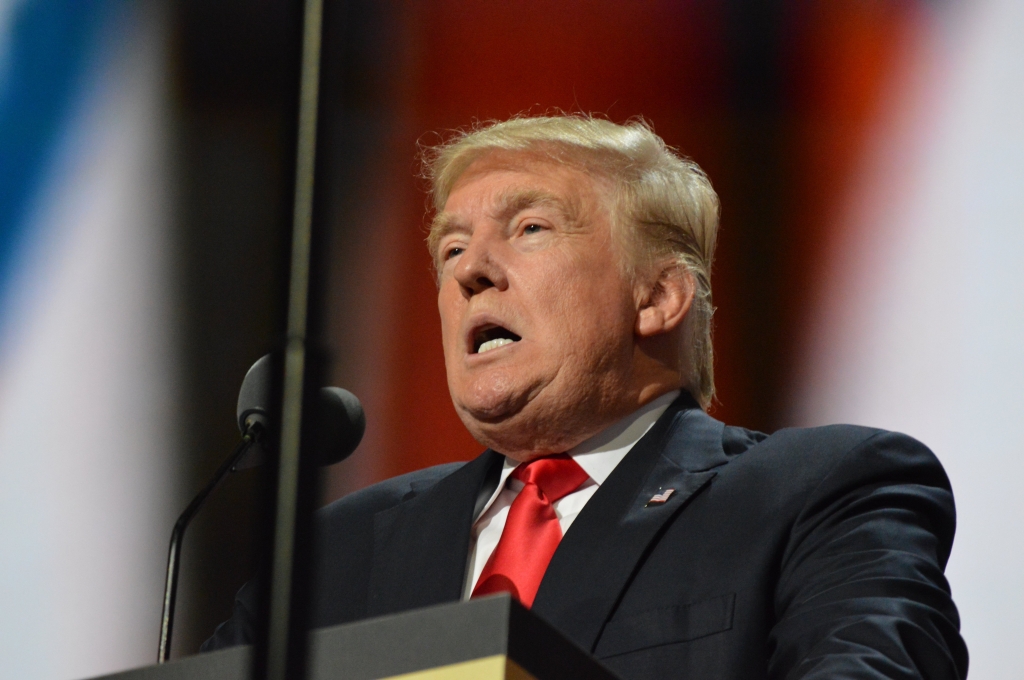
537 316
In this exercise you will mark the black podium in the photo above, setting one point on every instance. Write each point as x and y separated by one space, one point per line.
483 639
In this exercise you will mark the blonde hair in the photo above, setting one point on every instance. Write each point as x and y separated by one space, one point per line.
665 201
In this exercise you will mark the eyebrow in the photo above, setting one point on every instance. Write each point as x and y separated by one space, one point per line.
509 203
442 225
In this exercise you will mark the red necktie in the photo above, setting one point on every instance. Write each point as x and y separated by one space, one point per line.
531 532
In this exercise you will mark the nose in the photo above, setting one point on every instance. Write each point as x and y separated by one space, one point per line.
481 266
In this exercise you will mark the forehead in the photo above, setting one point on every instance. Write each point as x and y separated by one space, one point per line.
500 184
499 180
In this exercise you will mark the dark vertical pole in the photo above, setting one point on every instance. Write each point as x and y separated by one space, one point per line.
285 640
754 219
235 109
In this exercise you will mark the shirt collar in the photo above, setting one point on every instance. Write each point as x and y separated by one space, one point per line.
600 454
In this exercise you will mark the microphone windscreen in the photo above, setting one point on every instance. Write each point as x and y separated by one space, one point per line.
254 396
340 425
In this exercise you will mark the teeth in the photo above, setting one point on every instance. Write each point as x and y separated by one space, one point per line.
494 344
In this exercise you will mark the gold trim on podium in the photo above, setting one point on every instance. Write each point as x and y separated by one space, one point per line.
497 667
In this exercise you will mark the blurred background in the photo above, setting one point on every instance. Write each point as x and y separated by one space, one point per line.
870 159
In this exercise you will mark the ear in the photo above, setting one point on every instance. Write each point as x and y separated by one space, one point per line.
665 303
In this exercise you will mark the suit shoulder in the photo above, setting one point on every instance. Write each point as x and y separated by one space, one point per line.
839 435
836 440
736 440
386 494
853 450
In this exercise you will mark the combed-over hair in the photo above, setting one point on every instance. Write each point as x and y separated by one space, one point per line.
665 203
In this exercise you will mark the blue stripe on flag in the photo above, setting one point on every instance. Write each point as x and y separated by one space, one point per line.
52 42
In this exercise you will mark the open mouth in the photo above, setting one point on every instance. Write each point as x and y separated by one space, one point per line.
492 337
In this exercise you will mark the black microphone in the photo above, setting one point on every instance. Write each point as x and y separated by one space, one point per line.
254 395
338 426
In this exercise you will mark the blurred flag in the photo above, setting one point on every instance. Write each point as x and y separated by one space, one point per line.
921 326
86 341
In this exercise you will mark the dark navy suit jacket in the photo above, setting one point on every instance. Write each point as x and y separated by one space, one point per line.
810 553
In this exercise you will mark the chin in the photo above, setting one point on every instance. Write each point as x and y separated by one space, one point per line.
521 433
492 411
524 416
518 440
493 418
491 398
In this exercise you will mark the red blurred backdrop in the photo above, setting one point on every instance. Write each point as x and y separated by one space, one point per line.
774 103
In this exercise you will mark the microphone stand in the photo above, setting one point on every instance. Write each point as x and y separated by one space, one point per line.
252 435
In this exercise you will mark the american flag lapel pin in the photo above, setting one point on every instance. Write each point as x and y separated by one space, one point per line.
660 497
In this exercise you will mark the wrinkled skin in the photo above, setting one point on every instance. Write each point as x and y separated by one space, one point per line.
528 245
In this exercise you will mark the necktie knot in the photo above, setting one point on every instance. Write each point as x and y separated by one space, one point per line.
555 476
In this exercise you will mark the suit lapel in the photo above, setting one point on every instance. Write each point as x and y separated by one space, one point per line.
421 545
606 544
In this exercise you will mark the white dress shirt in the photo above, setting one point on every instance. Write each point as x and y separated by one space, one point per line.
598 456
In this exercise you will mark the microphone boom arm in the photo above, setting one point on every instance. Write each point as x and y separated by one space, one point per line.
252 435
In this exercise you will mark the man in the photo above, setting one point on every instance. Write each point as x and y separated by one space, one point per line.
573 259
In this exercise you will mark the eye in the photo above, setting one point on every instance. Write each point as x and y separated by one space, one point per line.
533 229
452 252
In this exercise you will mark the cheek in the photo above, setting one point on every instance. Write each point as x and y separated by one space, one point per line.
596 293
449 311
590 319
